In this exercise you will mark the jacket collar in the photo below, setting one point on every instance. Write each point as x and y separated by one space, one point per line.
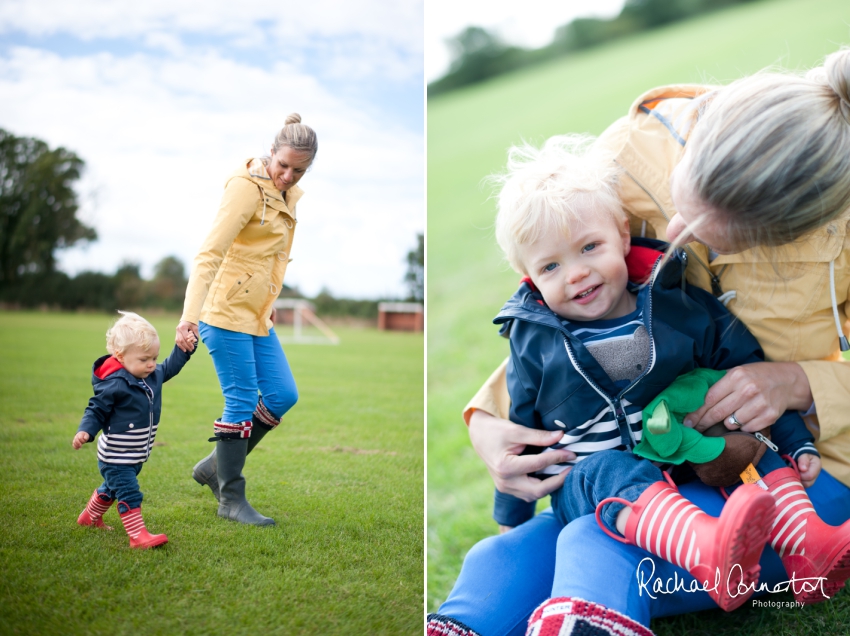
120 372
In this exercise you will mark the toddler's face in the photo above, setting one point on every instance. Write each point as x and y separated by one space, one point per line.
140 362
582 277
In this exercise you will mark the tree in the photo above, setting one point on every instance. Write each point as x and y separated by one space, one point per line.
38 205
415 276
168 286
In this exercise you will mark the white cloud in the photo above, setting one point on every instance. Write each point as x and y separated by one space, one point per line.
160 135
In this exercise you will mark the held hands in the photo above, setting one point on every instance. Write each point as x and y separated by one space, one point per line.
79 439
499 443
757 394
187 336
809 466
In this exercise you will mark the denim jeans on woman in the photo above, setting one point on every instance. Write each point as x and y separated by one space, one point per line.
246 365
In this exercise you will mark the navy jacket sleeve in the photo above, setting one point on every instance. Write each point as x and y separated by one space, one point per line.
792 437
507 509
99 409
729 343
175 362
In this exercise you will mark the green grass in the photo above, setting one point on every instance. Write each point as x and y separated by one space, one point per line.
342 476
469 132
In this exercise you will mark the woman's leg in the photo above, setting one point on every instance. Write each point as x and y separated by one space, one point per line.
504 578
274 377
233 357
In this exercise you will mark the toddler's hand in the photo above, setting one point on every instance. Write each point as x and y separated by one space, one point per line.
809 466
79 439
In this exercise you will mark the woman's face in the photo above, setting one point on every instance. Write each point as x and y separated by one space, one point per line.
696 220
287 166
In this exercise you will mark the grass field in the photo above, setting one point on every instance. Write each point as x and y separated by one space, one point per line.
469 132
342 475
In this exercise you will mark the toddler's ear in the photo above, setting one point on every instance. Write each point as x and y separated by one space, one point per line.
626 236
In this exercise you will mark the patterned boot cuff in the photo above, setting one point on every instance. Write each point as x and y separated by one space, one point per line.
567 616
264 416
445 626
226 430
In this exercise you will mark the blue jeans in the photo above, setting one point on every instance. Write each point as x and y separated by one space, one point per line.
246 364
119 482
611 473
505 577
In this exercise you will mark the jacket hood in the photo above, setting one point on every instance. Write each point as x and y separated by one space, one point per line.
527 303
104 368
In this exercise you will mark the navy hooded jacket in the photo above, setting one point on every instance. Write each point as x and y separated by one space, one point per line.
556 384
127 413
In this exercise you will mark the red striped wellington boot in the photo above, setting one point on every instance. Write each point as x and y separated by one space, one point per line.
722 554
809 548
135 526
565 616
92 514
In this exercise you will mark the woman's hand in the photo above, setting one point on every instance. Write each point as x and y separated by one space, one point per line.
187 335
757 394
499 443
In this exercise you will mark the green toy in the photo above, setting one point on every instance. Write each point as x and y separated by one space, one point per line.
718 456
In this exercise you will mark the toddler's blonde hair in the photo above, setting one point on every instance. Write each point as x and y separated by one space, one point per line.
130 330
546 189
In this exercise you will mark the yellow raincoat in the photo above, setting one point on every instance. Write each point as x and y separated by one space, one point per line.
783 294
239 270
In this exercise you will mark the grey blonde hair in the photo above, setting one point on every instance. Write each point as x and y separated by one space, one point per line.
771 152
128 331
545 189
297 136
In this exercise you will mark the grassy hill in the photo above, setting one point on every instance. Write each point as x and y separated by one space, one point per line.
469 132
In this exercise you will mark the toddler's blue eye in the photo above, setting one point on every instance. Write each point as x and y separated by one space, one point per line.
588 247
550 267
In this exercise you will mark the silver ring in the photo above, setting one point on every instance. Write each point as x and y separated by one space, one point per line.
734 421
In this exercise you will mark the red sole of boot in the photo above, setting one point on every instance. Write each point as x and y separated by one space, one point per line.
835 573
749 518
150 544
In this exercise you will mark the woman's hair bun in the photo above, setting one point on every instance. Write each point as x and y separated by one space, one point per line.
837 68
292 118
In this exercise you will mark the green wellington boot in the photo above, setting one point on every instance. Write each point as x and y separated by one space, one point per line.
230 460
205 470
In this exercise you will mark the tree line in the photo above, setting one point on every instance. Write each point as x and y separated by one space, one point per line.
38 218
479 55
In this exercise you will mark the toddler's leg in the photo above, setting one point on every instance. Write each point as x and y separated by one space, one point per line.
722 554
809 548
122 479
99 502
606 474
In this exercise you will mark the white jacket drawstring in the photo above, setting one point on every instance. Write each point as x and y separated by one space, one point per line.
842 339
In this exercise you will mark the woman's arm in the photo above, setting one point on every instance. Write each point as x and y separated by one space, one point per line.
238 205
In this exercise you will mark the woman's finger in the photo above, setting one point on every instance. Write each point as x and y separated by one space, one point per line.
527 464
547 486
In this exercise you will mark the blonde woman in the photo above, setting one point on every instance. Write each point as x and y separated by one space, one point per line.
235 279
758 174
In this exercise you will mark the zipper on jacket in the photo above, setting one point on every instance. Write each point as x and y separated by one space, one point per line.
716 289
150 420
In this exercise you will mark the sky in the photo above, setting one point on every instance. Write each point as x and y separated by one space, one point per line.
530 24
164 98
